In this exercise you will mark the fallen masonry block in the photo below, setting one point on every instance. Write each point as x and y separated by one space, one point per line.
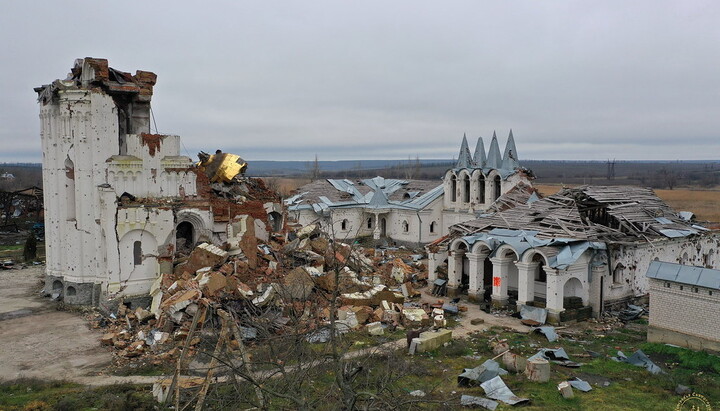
565 389
375 328
477 321
372 297
414 317
107 339
513 362
178 301
204 255
538 370
430 340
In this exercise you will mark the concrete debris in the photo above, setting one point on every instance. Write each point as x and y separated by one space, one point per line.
497 390
417 393
471 401
566 390
430 340
538 370
514 363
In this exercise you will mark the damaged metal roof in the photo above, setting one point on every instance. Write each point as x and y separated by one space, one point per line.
684 274
372 193
593 213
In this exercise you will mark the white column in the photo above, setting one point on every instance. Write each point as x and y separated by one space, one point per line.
554 294
454 269
526 281
477 274
500 280
432 266
376 231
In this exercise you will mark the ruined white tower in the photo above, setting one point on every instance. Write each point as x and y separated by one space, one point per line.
109 184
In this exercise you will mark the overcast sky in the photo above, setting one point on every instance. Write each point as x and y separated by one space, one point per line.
284 80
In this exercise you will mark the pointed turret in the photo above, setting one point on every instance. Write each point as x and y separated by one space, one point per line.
378 200
510 158
464 158
480 159
494 160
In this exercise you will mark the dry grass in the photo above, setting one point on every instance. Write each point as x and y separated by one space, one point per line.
285 186
704 203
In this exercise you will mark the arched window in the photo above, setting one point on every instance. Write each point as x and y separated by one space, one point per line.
497 187
369 222
618 274
405 226
137 253
453 188
432 227
344 225
481 188
466 188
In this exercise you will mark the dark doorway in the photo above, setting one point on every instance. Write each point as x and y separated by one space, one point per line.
383 227
184 237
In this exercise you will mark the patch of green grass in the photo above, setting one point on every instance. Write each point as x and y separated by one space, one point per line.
692 360
50 395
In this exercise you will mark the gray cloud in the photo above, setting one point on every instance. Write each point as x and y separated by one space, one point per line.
285 80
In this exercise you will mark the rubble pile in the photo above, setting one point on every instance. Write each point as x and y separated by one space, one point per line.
271 285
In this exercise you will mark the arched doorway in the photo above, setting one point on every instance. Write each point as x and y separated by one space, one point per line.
383 227
184 237
540 278
572 288
276 221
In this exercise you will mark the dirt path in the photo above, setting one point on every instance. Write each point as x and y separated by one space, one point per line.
36 340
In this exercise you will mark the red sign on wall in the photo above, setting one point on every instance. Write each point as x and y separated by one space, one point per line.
496 281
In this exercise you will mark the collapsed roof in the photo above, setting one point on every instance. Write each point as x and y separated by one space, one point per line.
591 213
375 193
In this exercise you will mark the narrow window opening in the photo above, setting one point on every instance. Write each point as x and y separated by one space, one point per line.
343 225
405 226
453 183
432 227
137 252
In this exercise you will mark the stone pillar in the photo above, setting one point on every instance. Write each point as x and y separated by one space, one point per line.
526 282
554 296
376 231
500 281
434 260
477 273
455 261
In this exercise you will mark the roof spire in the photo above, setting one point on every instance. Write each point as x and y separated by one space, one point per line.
494 160
480 159
510 158
464 158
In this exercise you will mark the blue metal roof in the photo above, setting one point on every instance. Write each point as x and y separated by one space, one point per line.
684 274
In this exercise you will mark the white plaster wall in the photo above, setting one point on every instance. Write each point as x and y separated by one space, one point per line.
76 127
636 260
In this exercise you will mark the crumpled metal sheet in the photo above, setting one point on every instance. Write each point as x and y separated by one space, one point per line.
557 356
639 359
484 372
579 384
533 313
470 401
548 331
497 390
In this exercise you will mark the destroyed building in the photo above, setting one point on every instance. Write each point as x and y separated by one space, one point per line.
119 201
414 212
582 247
